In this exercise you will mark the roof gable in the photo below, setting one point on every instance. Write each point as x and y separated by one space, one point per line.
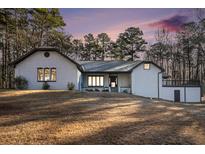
44 49
150 62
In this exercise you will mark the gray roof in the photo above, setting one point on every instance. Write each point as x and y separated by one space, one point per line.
92 66
108 66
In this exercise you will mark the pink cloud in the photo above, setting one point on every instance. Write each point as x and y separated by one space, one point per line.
173 24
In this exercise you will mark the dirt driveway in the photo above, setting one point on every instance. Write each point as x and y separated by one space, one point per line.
62 117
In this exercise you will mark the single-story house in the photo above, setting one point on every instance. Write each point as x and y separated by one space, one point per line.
143 78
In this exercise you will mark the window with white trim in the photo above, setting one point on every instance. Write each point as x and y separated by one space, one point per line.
95 81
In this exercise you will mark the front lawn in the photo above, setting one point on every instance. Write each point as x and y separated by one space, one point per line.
63 117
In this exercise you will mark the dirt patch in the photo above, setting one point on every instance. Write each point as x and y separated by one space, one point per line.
63 117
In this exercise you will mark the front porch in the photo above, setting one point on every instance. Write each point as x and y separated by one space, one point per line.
106 82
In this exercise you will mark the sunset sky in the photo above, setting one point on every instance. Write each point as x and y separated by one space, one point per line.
80 22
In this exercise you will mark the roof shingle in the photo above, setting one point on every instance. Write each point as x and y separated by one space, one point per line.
108 66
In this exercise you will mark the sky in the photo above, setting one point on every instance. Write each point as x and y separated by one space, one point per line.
80 22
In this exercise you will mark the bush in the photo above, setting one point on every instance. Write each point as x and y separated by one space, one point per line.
125 91
21 83
105 90
89 90
70 86
45 86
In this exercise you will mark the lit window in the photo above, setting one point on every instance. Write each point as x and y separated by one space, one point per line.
101 81
146 66
40 74
53 74
89 81
95 81
46 74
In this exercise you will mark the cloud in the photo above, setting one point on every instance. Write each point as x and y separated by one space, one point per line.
173 24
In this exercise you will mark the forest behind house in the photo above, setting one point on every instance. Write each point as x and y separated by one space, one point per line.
181 54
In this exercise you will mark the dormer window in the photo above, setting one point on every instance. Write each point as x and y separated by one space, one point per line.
146 66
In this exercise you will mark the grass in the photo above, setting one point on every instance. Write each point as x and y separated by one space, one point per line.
63 117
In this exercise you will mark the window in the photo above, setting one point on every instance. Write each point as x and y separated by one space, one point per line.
102 81
146 66
95 81
89 81
40 74
53 74
46 74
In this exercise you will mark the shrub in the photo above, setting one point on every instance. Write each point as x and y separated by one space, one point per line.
70 86
45 86
105 90
125 91
89 90
21 83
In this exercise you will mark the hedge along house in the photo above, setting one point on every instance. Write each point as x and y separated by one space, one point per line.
143 78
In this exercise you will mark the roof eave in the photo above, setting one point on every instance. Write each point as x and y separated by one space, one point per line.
162 69
107 72
14 63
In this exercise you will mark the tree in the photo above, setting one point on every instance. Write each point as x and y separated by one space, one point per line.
91 51
116 51
77 47
185 56
42 22
185 39
160 52
103 44
60 40
131 42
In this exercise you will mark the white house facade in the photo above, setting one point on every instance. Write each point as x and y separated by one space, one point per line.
145 81
142 78
61 70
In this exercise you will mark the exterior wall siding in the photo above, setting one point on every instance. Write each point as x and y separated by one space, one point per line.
124 80
187 94
193 94
145 82
66 71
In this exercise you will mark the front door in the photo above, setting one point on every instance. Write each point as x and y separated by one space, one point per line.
113 83
177 95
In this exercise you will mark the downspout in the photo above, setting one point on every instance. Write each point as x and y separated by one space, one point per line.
158 84
131 83
201 91
185 94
